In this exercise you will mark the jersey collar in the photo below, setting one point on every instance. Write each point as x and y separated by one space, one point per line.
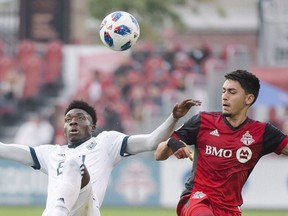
75 145
234 128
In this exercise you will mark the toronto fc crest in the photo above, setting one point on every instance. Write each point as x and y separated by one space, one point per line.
247 139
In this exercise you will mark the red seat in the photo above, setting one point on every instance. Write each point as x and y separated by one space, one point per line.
53 60
32 67
25 48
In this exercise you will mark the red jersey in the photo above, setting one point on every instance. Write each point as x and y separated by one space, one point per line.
225 156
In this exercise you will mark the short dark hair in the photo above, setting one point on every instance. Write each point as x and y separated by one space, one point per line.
79 104
248 81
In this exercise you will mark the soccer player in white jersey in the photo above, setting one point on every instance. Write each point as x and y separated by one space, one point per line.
78 173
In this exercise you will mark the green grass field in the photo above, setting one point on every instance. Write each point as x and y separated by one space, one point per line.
36 211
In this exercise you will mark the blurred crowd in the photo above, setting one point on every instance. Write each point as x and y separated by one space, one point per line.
31 75
27 74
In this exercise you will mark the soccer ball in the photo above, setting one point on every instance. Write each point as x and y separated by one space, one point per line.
119 31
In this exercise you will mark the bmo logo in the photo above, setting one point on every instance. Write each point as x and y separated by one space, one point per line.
212 150
243 154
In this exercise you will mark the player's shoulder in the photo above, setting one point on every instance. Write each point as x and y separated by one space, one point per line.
109 136
48 147
254 121
48 150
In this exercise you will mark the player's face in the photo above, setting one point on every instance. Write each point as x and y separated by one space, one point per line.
78 125
233 99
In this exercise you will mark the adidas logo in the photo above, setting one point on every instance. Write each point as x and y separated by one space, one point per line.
214 133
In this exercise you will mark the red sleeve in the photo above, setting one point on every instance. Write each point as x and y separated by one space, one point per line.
188 132
282 145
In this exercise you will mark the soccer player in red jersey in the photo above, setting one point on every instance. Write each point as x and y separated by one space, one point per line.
228 145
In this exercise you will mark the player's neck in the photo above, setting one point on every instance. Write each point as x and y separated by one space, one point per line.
236 121
76 144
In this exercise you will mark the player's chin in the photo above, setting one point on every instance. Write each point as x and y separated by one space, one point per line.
226 113
73 138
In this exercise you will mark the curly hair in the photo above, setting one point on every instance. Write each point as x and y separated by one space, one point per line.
79 104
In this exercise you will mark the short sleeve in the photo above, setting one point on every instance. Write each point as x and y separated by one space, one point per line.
41 155
274 140
188 132
112 141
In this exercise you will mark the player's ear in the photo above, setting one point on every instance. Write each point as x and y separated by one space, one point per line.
93 127
250 99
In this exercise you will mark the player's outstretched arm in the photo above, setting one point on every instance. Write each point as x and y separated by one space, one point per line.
18 153
149 142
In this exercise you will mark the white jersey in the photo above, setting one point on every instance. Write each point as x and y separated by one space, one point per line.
100 154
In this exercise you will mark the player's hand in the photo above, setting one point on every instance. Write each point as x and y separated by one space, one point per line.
181 109
184 152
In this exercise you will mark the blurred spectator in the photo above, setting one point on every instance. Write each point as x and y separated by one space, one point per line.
183 62
154 94
137 99
57 121
91 88
59 137
94 88
12 85
36 131
199 56
11 89
112 121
